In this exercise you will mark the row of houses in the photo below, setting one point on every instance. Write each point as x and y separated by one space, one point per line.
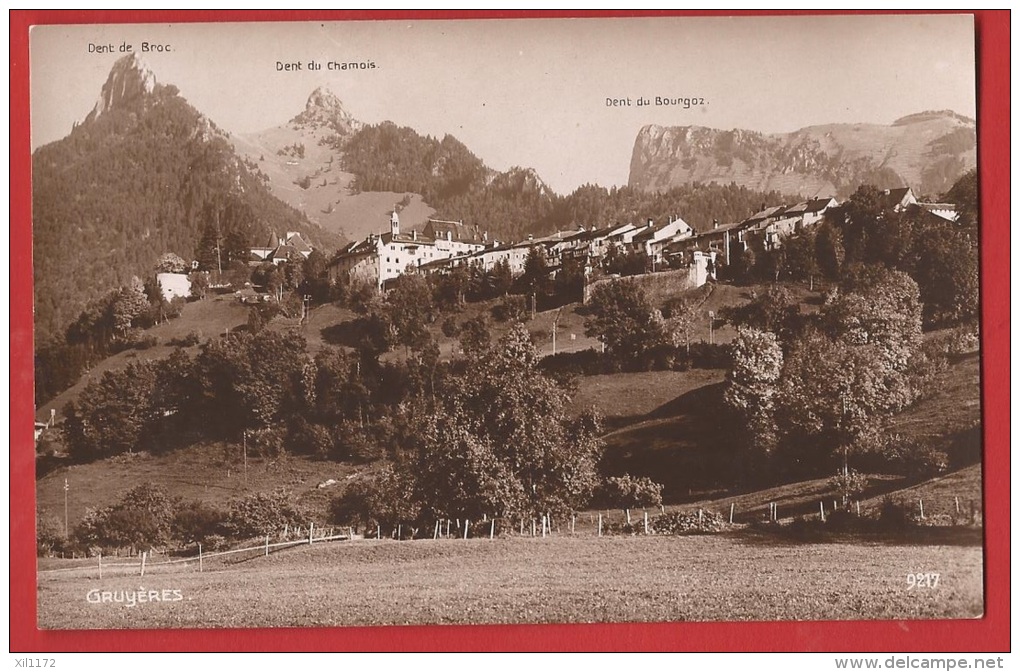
441 246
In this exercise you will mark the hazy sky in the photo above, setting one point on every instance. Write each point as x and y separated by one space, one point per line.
533 92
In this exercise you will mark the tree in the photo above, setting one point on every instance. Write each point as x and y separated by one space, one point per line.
499 442
113 414
946 270
774 310
411 310
829 249
964 193
832 398
622 318
130 304
801 257
750 394
876 306
199 284
315 269
171 263
475 338
681 316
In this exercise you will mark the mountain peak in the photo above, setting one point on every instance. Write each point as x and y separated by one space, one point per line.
130 79
324 109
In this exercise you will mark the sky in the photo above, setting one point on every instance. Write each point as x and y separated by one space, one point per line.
533 92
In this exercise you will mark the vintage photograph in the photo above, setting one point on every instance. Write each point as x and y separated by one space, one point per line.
425 322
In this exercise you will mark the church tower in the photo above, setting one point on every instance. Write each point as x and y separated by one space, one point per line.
394 223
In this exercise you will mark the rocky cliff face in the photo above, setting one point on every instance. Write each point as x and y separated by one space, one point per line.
127 86
324 110
926 151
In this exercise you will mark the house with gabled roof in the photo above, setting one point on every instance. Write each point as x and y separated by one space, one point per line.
655 237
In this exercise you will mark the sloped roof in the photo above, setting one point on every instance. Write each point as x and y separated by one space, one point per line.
438 228
299 243
893 197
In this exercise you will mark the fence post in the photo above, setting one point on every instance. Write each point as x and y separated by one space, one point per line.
492 528
957 504
646 522
573 519
311 526
921 504
199 556
627 511
466 526
267 545
435 532
100 565
286 529
532 527
700 515
600 524
143 564
543 526
821 510
731 512
858 508
398 531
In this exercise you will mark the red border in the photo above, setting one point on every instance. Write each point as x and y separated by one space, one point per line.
990 633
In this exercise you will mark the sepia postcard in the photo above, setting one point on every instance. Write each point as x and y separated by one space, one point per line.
519 321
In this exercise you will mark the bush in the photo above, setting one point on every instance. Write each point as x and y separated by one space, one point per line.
627 492
513 308
191 338
262 513
197 521
143 517
958 341
582 363
49 537
848 484
308 438
916 459
896 516
688 522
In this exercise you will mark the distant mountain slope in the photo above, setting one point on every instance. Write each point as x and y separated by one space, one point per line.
142 175
303 162
926 151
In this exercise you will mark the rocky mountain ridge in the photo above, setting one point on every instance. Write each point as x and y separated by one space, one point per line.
927 151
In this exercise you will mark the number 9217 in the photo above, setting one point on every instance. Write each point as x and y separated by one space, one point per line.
923 580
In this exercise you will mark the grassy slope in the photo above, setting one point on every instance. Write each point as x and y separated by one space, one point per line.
328 201
207 318
211 472
559 579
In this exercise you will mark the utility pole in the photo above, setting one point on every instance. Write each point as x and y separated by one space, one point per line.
66 487
556 322
219 261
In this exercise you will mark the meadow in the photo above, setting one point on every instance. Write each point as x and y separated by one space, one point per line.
565 579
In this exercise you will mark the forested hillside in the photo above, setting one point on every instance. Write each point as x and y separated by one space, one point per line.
144 174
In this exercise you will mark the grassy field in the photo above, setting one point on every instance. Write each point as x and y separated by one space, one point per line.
525 580
211 472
